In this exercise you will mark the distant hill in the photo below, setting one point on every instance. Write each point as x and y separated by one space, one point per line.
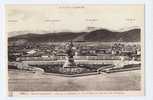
109 36
101 35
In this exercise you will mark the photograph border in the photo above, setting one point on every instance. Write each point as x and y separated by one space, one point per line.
147 45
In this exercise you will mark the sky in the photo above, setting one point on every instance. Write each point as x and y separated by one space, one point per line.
74 18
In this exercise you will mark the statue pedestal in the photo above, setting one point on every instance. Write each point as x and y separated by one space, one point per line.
69 63
70 67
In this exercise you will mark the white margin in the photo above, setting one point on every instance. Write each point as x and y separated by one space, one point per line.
148 49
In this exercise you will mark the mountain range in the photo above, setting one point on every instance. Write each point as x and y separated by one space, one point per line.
99 35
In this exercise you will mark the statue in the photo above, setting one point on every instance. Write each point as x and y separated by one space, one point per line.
70 53
69 66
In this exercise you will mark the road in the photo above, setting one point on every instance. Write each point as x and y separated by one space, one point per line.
27 81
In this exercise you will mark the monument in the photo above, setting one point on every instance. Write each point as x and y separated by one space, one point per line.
69 66
70 53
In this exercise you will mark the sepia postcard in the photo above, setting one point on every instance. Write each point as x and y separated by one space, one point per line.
76 50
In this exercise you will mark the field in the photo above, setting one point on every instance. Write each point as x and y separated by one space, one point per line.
28 81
